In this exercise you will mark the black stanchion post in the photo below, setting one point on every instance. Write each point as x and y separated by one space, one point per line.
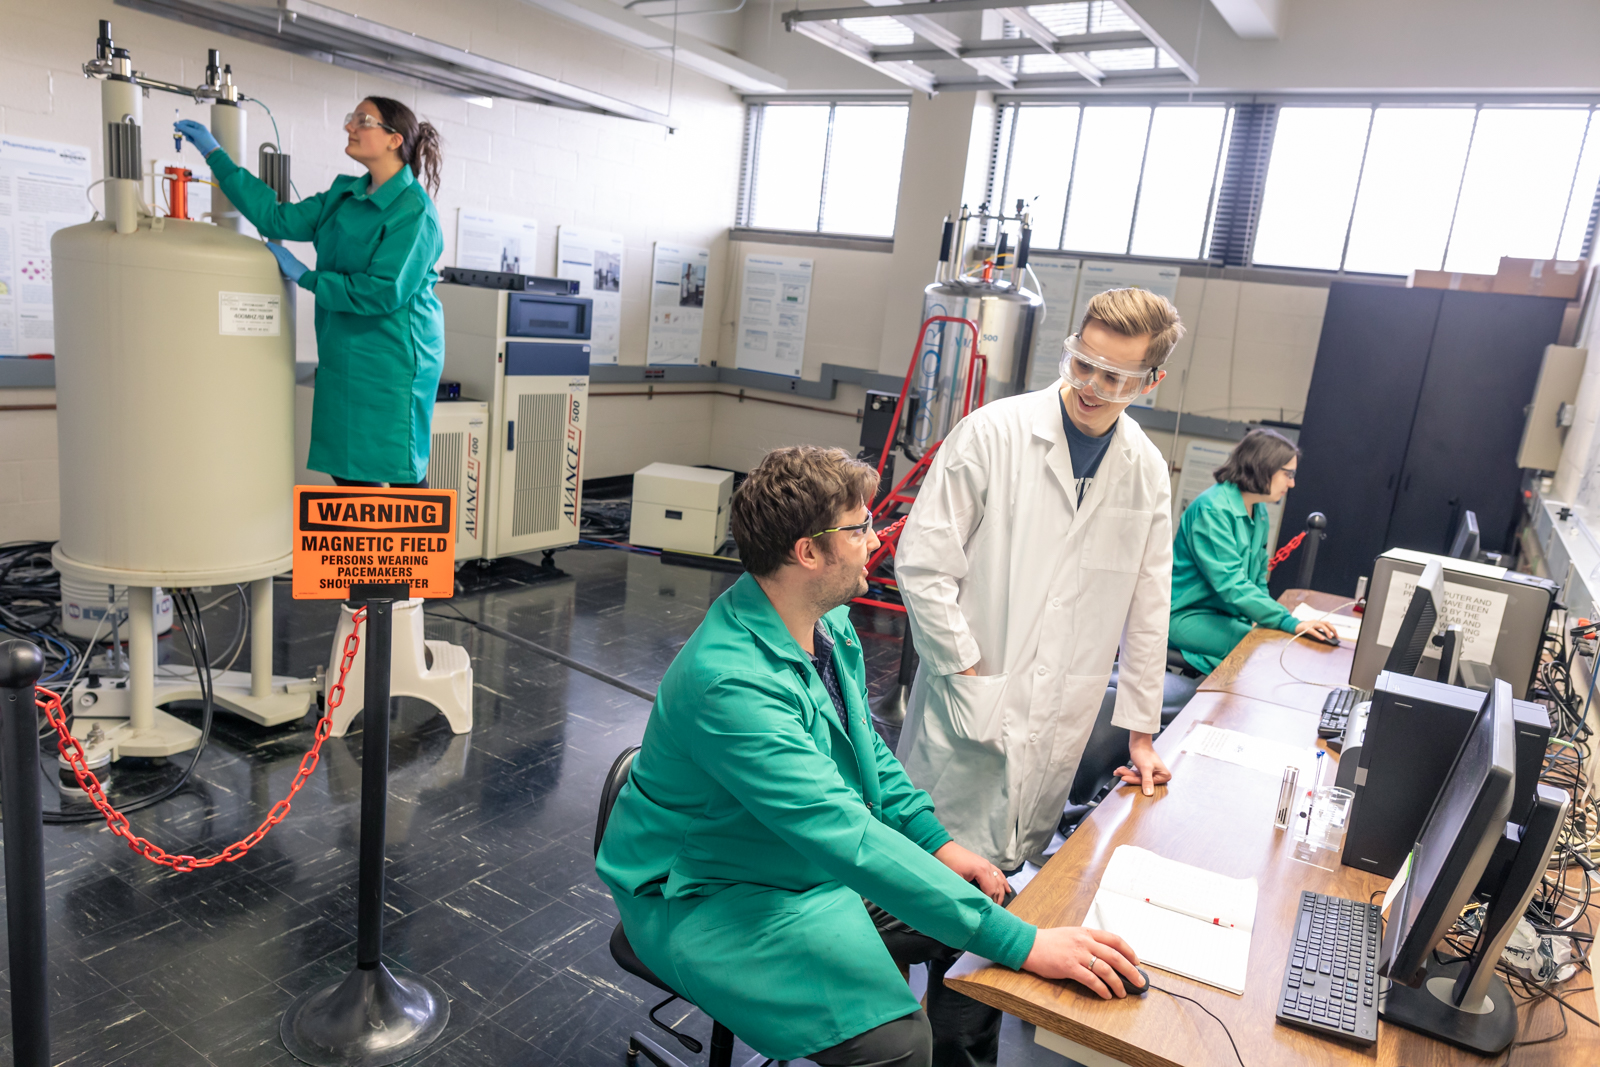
891 707
21 663
374 784
1316 522
373 1016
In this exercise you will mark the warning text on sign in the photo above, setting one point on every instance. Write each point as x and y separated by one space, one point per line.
373 536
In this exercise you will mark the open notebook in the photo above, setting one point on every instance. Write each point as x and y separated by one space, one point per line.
1179 918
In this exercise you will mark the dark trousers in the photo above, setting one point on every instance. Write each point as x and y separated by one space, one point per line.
956 1031
373 485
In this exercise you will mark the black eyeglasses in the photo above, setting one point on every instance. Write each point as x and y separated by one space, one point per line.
860 527
1289 471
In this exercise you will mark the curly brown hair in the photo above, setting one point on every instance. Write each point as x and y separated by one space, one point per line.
791 494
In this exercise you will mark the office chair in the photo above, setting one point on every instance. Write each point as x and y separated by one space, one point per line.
622 952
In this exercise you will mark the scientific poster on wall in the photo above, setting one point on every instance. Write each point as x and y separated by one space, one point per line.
1096 276
1058 284
488 240
593 258
41 191
773 303
677 304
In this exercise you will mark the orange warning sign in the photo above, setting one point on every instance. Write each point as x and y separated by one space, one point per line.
362 536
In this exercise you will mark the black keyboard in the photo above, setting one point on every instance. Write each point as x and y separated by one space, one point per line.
1336 711
1330 985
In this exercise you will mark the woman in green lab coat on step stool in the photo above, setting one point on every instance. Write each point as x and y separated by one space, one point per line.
380 329
1219 556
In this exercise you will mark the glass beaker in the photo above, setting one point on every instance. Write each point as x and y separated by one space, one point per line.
1319 837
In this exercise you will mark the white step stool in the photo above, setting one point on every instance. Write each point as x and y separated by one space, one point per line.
436 672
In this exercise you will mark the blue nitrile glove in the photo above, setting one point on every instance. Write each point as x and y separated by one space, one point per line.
198 136
292 268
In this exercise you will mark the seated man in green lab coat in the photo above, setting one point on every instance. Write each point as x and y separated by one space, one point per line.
764 812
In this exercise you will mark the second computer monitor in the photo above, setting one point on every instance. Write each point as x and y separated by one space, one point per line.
1421 618
1465 544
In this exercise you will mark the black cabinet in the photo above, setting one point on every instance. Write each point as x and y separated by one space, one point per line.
1414 415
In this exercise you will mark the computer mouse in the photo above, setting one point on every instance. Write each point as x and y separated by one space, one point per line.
1331 642
1139 990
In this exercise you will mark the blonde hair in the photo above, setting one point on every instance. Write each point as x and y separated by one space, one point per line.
1132 312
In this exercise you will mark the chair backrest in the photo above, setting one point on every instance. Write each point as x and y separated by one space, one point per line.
1103 753
616 777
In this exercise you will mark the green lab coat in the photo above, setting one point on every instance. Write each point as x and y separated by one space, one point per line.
752 826
1219 577
380 329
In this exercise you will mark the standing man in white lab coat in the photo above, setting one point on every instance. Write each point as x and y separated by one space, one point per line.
1041 540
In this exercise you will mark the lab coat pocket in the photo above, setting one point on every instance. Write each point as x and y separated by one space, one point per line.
1115 540
974 706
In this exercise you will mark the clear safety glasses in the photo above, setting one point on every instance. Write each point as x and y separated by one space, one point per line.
1084 370
856 530
360 120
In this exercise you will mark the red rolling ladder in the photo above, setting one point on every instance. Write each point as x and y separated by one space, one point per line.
904 491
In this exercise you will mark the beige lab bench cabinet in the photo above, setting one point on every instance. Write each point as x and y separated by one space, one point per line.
680 508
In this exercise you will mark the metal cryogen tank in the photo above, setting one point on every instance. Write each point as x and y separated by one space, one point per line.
1006 316
174 373
175 404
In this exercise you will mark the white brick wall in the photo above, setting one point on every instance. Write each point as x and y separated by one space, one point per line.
555 165
29 510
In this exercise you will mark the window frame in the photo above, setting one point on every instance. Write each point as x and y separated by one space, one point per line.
755 116
1240 173
1000 170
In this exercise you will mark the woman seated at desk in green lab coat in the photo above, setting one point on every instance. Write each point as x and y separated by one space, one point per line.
1219 557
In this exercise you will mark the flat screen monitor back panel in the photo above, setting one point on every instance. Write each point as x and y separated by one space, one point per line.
1515 607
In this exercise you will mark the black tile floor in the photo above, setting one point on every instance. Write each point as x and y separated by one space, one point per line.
491 884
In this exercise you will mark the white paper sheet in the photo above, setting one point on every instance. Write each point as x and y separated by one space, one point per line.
677 304
1479 611
773 304
41 191
1156 905
1246 750
594 259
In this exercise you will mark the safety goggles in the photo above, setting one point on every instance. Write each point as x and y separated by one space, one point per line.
855 530
1084 369
360 120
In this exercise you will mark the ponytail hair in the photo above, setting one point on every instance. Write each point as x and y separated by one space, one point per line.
419 141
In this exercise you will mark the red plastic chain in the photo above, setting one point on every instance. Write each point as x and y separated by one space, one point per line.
1284 552
72 752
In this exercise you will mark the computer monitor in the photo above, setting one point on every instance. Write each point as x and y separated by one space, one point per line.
1421 618
1504 617
1457 839
1444 1006
1465 543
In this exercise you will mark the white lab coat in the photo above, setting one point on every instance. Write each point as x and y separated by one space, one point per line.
1002 569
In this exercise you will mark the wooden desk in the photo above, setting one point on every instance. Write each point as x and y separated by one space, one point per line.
1219 816
1267 666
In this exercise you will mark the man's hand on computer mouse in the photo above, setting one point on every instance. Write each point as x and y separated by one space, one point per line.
1098 960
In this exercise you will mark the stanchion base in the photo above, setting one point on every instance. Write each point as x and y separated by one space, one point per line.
366 1019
